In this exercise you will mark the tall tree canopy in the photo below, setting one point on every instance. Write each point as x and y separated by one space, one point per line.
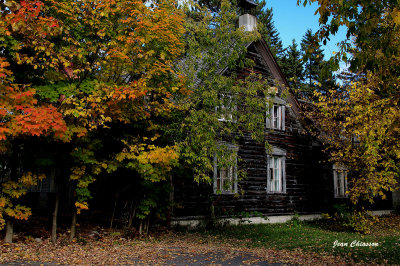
367 109
292 66
313 59
268 30
73 70
222 107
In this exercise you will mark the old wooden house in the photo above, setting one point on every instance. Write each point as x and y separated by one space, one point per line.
295 177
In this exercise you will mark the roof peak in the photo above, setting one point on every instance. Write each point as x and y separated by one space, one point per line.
247 5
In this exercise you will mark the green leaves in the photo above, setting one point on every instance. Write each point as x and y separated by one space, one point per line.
366 107
222 107
362 133
80 72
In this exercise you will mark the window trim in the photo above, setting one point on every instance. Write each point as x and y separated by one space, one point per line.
228 111
343 175
234 187
281 113
280 155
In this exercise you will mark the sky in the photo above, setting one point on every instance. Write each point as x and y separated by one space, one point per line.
292 22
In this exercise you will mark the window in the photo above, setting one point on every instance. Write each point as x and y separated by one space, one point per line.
340 181
275 118
46 185
276 182
226 108
225 171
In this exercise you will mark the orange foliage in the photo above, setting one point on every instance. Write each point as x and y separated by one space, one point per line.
124 51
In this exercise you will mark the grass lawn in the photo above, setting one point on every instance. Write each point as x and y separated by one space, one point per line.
293 243
319 237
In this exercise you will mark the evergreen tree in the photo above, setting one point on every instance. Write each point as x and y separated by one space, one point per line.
292 66
313 59
268 30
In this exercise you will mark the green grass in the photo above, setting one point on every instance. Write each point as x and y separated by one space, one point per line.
315 237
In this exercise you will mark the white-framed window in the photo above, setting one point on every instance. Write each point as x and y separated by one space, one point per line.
275 118
226 108
225 171
340 181
276 176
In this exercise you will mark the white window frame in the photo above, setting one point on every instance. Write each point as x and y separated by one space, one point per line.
225 179
340 184
226 112
275 116
276 171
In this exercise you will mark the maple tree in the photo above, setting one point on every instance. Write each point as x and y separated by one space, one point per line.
21 115
91 66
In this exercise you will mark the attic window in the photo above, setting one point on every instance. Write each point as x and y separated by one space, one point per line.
340 181
275 118
226 108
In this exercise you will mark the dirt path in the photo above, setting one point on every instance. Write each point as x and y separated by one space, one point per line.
169 249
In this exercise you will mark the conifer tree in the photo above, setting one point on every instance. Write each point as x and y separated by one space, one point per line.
292 65
313 59
268 30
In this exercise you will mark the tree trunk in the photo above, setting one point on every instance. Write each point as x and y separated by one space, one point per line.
73 227
309 60
141 227
171 203
132 215
113 214
148 225
9 232
54 225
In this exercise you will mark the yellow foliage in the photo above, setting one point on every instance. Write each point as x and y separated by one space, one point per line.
3 202
19 212
13 190
362 132
28 179
81 206
396 16
77 172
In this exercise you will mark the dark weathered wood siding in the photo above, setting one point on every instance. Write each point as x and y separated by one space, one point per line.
309 177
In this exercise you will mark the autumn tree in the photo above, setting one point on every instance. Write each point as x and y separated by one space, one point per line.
93 66
265 19
21 115
367 108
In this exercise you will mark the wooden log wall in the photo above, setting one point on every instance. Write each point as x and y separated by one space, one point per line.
309 175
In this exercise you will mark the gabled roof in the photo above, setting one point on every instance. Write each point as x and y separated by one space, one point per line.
247 4
277 73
